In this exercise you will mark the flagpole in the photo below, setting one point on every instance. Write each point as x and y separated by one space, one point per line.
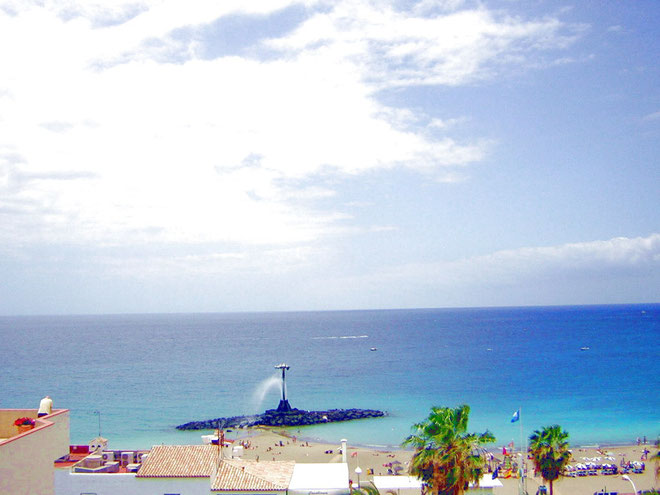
523 453
522 488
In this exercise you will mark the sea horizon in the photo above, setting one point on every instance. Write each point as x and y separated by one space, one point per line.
146 373
340 310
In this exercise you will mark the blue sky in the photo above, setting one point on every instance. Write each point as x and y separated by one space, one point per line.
161 156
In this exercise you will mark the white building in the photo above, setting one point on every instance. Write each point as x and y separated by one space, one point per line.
410 485
26 458
320 479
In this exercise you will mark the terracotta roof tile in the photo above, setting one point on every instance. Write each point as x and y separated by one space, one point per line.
240 475
179 461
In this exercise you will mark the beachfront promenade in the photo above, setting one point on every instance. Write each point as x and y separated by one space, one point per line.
265 444
260 446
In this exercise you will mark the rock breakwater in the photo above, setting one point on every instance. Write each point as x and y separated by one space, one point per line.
274 417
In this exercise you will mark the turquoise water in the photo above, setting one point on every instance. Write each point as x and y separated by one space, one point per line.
147 373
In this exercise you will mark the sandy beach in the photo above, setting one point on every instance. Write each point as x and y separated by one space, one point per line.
267 444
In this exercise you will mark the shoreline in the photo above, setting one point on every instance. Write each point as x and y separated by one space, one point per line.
286 431
268 444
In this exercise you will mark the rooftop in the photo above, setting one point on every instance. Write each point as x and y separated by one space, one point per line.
180 461
242 475
200 461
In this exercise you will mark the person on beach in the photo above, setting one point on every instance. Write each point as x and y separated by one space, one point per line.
45 407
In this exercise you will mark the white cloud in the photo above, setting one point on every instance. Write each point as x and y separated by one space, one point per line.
266 263
194 150
618 270
383 228
430 6
651 117
396 48
597 256
519 266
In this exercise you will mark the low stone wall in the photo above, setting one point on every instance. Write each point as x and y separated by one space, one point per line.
273 417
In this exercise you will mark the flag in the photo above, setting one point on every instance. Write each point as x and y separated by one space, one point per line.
516 416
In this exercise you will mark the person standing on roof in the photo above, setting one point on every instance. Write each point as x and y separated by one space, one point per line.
45 407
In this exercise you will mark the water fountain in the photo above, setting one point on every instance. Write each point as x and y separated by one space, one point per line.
284 415
266 387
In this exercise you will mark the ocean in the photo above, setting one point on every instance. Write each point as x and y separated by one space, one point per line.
135 377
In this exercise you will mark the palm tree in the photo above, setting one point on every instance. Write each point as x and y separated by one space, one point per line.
447 458
549 450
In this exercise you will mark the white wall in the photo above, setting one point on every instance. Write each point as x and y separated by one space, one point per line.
26 460
68 483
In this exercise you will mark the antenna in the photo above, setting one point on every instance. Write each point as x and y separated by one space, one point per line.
99 415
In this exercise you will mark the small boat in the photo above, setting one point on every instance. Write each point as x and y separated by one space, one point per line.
584 348
373 349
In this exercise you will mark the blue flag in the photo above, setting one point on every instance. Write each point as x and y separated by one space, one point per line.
516 416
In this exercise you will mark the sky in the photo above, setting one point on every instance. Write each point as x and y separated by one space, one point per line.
203 156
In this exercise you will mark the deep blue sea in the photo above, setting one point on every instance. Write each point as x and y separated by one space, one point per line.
141 375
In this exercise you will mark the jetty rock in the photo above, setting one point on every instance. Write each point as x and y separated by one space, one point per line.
275 417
